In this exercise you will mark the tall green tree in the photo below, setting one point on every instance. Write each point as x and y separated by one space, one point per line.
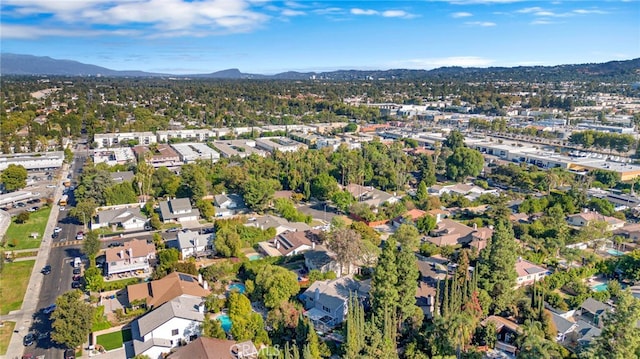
346 244
91 246
72 320
408 275
384 290
497 267
454 140
14 177
407 235
464 162
212 328
620 337
276 285
258 193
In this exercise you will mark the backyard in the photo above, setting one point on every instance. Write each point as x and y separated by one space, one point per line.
111 341
5 336
18 236
13 285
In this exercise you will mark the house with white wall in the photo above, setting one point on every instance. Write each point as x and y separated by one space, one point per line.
172 324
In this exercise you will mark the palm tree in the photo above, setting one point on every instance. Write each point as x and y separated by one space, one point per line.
462 326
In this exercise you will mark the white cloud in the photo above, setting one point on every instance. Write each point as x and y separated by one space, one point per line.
368 12
290 12
589 11
328 11
542 22
529 10
386 13
481 23
457 15
429 63
396 13
166 16
8 31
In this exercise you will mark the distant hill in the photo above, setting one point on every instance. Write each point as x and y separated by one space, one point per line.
13 64
623 71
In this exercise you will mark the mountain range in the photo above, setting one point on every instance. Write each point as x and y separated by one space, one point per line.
627 70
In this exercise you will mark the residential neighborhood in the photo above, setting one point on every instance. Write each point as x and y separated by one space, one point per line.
449 222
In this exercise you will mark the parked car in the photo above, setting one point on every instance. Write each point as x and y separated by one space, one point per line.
49 309
76 270
46 270
28 339
20 204
69 354
170 230
57 230
43 335
115 244
76 277
75 285
54 235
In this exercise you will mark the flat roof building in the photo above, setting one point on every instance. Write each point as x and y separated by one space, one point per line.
281 144
240 148
103 140
33 161
192 151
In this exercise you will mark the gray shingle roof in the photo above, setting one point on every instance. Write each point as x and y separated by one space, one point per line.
593 306
184 306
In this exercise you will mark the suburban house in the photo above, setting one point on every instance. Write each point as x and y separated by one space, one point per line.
178 210
157 292
584 218
506 330
564 326
528 272
170 325
193 244
290 243
432 270
592 311
127 217
323 260
410 217
450 233
160 156
369 195
280 224
227 204
326 301
213 348
469 191
135 255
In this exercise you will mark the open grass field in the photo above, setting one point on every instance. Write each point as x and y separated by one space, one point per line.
13 284
18 236
5 336
110 341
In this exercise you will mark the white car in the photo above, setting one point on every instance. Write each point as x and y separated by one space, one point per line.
57 230
62 208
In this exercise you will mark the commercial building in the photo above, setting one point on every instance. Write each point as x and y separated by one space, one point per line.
281 144
37 161
114 156
240 148
103 140
189 135
192 151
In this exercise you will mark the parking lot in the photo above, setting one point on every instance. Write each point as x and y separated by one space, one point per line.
42 186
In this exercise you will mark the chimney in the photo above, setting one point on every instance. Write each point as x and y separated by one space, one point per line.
121 254
130 250
475 226
201 307
200 278
205 285
585 210
316 295
277 244
313 245
438 218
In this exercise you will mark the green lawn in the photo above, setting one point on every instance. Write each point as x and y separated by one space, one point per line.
19 234
13 284
110 341
5 336
100 321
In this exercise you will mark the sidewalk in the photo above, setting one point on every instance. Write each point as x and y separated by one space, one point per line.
23 317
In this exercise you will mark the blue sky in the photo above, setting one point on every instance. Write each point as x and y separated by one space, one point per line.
262 36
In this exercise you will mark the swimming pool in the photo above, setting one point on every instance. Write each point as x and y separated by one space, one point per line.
225 322
238 287
615 253
255 257
600 287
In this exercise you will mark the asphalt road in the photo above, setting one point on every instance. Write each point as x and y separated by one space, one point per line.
59 281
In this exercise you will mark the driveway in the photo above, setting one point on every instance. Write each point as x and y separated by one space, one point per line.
319 210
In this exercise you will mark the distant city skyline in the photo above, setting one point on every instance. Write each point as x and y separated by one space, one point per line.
267 37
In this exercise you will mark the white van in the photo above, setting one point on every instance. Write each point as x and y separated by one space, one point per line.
77 262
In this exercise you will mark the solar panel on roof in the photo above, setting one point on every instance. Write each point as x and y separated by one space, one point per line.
185 278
